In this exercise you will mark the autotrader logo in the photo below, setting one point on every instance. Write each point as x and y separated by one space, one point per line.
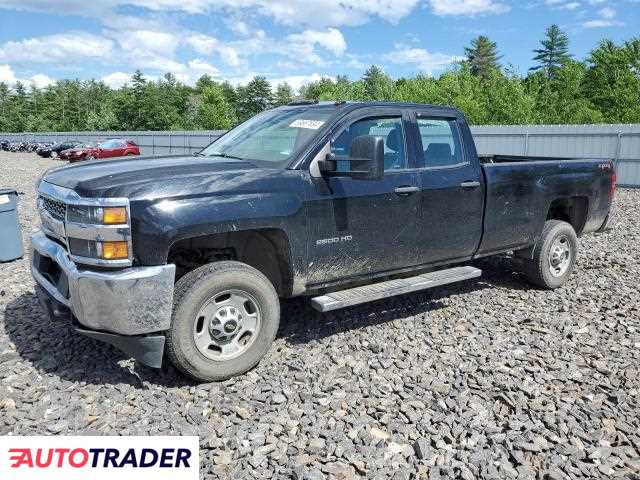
69 458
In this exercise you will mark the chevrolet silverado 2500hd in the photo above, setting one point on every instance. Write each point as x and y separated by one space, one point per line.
188 257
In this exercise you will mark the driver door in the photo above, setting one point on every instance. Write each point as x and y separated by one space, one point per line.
364 227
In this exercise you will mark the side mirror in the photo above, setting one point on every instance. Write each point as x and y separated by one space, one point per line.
366 160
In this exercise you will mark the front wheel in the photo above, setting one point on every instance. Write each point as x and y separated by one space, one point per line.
225 318
554 256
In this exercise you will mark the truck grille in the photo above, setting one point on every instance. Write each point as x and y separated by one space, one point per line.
54 208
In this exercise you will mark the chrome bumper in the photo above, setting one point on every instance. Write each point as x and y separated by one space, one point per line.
131 301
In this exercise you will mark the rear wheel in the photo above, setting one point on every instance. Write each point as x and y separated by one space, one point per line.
554 256
225 317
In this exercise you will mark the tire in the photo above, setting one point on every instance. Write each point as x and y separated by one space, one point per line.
54 155
198 302
551 270
88 158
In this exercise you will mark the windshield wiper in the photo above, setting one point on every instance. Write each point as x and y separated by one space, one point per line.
226 155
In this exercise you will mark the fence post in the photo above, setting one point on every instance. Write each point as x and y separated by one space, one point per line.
526 144
618 150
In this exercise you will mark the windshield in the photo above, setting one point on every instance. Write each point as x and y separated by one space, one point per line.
273 138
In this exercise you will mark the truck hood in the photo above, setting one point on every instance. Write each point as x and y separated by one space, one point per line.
148 177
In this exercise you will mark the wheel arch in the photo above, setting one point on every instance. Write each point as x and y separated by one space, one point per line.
265 249
573 210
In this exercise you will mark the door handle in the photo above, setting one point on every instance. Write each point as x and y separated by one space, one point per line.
469 185
408 190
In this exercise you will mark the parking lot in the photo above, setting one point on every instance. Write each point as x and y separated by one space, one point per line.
489 378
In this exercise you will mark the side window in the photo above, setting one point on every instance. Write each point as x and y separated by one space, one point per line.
441 143
389 128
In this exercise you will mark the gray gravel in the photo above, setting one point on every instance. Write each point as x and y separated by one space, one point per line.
488 379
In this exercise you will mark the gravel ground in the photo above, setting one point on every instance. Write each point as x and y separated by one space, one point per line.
488 379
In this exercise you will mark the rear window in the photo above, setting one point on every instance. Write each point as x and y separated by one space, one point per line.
441 145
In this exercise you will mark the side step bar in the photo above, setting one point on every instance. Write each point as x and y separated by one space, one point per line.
391 288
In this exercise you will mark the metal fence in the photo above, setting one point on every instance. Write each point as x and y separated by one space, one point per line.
151 143
618 142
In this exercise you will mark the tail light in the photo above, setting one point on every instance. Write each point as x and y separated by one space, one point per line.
612 188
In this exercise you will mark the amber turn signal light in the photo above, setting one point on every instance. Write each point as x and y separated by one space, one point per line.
114 216
115 250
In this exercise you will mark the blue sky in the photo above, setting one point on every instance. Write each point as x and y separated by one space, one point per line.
293 40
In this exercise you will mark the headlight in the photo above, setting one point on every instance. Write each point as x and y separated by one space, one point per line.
100 250
97 215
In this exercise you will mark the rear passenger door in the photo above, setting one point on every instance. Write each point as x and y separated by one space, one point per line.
451 191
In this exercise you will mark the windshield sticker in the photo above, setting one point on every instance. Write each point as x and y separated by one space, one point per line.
310 124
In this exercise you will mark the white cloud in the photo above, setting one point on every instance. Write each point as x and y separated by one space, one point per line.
116 79
200 67
468 7
607 19
291 12
72 46
563 4
331 39
41 80
201 43
297 81
421 59
607 13
8 76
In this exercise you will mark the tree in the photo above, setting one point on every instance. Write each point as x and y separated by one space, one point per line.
213 112
284 94
203 82
482 57
612 81
554 52
377 84
253 98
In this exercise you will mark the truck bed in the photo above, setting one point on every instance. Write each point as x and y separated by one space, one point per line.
519 189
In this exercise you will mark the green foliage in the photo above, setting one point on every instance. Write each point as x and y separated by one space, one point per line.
603 88
252 99
214 112
284 94
377 85
612 81
482 57
554 52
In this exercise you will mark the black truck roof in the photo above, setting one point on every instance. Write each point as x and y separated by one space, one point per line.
354 105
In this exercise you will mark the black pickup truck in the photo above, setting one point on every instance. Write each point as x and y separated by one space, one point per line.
345 203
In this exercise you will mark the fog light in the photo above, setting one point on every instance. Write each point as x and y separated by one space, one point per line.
114 215
115 250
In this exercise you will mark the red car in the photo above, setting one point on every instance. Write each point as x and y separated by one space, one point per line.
106 149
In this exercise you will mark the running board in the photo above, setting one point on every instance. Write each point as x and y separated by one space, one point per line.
391 288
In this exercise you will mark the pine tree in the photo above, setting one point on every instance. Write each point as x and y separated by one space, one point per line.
482 57
284 94
377 84
254 98
554 52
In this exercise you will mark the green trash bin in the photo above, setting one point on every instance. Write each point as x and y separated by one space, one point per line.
10 234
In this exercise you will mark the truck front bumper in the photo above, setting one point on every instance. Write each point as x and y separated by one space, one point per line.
122 307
